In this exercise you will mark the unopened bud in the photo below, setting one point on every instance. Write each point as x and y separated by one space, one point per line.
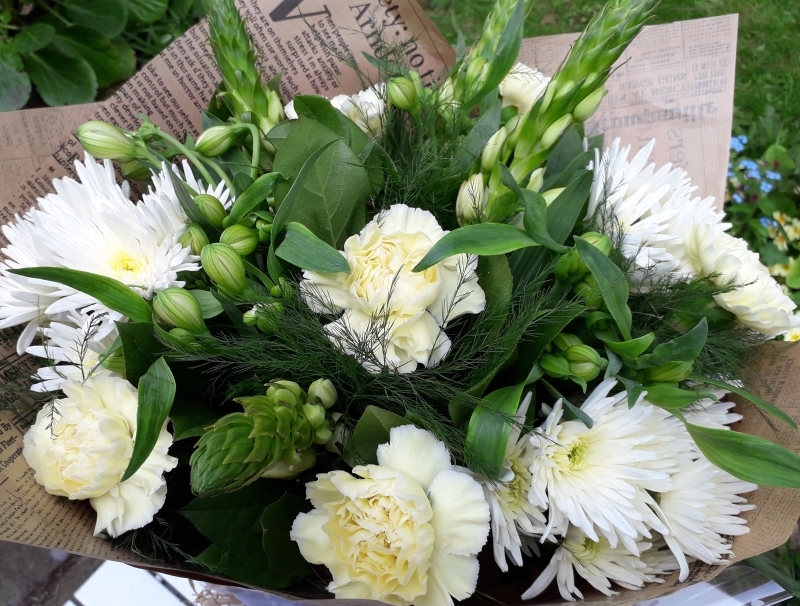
476 73
323 391
402 93
264 317
472 200
275 112
288 470
264 230
551 194
216 140
596 320
224 265
211 209
282 290
323 434
194 238
315 413
107 142
569 267
492 150
133 169
588 290
565 340
241 239
275 386
115 362
554 366
555 130
180 308
586 108
669 372
585 370
583 353
536 181
600 241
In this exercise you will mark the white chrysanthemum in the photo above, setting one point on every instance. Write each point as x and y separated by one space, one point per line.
593 478
394 317
711 414
671 443
522 87
74 349
599 563
702 506
365 108
508 499
758 301
89 225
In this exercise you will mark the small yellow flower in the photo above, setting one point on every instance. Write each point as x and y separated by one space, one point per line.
781 242
781 218
792 230
780 270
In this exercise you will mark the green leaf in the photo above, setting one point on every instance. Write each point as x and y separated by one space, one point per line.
478 239
156 393
105 16
33 38
320 110
489 428
303 249
750 458
612 282
285 559
685 348
61 80
279 133
563 178
127 58
371 431
471 149
572 411
254 195
189 207
629 350
331 200
147 11
568 148
189 420
253 271
111 293
793 278
209 306
672 397
494 277
95 49
633 388
771 255
15 84
141 348
762 404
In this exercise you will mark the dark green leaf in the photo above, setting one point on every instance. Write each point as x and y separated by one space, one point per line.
628 350
279 133
15 85
94 48
188 205
633 388
127 58
672 397
111 293
189 420
571 411
284 555
750 458
147 11
105 16
479 239
489 428
494 277
568 148
563 178
253 271
371 431
303 249
685 348
156 393
320 109
209 305
61 80
612 283
140 347
254 195
33 38
470 150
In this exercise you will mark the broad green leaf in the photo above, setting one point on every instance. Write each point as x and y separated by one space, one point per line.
146 11
303 249
284 555
156 393
563 178
371 431
33 38
331 199
105 16
209 306
494 277
140 347
764 405
111 293
488 430
612 282
15 85
750 458
189 419
471 149
320 110
94 48
279 133
685 348
672 397
633 388
629 350
568 148
254 195
478 239
61 80
253 271
127 58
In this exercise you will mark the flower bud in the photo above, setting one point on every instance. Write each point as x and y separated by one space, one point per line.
240 238
555 130
299 463
402 93
669 372
264 317
315 413
565 340
585 370
600 241
107 142
115 362
583 353
472 200
133 169
536 181
476 73
180 308
492 150
275 112
514 128
211 208
586 108
216 140
274 387
596 320
282 290
182 335
555 366
589 291
323 434
224 265
194 238
551 194
323 391
569 267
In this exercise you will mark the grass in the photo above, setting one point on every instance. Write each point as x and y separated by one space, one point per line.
768 65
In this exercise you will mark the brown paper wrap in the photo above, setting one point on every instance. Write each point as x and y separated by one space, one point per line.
675 84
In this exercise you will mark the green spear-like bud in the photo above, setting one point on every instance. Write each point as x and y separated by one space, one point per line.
224 265
240 238
211 208
565 340
669 372
216 140
107 142
194 238
600 241
402 93
264 230
537 180
492 150
555 366
585 362
471 201
551 194
323 391
553 133
180 308
282 289
586 108
569 267
589 291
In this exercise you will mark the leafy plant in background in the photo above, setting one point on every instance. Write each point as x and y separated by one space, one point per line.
68 50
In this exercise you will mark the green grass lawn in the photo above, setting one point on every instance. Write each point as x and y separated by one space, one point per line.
768 68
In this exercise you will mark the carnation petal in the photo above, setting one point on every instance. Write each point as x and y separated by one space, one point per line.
307 531
416 452
449 575
460 513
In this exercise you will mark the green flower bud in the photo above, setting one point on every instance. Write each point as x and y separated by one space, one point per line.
179 307
211 208
669 372
513 128
492 150
282 289
476 73
569 267
554 132
323 434
115 362
224 265
107 142
537 180
402 93
241 239
301 461
323 391
586 108
181 334
551 194
275 112
584 353
265 317
588 290
315 413
597 320
194 238
585 370
216 140
264 230
600 241
133 169
565 340
555 366
472 200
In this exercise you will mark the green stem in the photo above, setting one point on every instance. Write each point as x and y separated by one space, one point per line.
220 172
195 159
256 150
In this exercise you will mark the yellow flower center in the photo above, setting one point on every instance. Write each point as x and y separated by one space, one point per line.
125 263
577 455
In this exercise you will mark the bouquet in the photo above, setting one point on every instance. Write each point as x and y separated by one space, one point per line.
400 344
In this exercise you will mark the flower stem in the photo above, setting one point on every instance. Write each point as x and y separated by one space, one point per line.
256 150
195 159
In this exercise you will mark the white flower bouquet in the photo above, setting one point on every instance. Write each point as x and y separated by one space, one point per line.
398 345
